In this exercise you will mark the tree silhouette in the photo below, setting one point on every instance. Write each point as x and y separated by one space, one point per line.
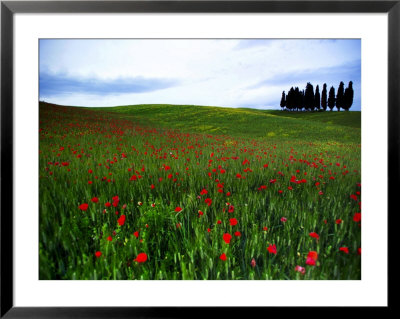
323 97
317 98
302 100
283 100
331 98
348 96
340 96
297 98
309 97
290 101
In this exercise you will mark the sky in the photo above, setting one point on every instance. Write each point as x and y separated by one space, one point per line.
216 72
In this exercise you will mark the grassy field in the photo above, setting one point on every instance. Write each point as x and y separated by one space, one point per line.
196 192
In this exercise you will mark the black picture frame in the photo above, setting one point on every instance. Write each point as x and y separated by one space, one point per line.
9 8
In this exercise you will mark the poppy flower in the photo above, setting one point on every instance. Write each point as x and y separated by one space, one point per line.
253 263
265 228
357 217
136 234
141 258
227 238
312 258
109 238
338 221
98 254
231 209
108 204
238 234
83 206
272 249
300 269
359 251
233 221
203 191
344 249
121 220
178 209
95 200
314 235
283 219
222 257
353 197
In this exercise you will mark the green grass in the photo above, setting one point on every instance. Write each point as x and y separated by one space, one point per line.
313 126
182 150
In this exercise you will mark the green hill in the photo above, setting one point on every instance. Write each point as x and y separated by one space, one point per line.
328 126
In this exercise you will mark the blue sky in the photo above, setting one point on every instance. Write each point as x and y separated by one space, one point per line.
219 72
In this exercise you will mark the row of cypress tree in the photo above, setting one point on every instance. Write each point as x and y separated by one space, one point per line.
297 99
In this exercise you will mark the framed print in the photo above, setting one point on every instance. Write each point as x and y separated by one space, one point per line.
164 155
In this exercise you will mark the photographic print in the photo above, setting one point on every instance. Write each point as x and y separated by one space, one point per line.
199 159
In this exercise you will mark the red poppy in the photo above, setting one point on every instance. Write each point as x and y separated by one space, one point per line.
353 197
253 263
357 217
272 249
283 219
314 235
95 200
359 251
338 221
141 258
312 258
98 254
233 221
222 257
136 234
203 192
178 209
121 220
231 209
227 238
83 206
344 249
238 234
108 204
109 238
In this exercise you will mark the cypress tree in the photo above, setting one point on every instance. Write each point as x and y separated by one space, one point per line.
317 98
297 98
331 98
340 96
290 100
309 97
348 96
283 100
323 97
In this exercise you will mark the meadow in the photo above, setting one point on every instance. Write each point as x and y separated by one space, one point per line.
196 192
